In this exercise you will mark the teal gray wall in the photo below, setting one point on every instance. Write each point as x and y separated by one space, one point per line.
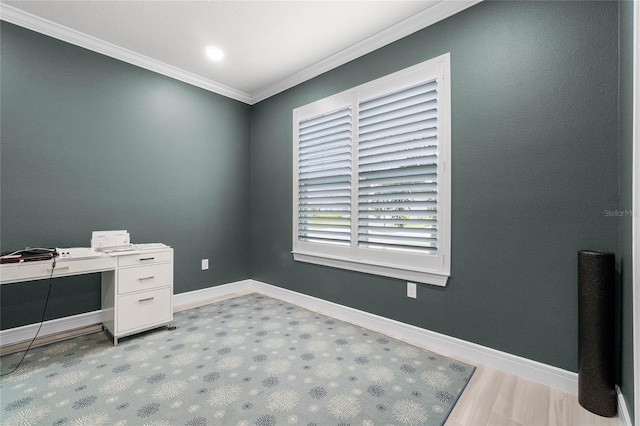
539 153
625 254
534 167
92 143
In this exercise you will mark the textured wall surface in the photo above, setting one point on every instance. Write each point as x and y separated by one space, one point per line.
535 166
92 143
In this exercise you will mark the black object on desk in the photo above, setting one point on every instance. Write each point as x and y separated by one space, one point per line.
28 255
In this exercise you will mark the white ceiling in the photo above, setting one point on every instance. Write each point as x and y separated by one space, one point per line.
269 45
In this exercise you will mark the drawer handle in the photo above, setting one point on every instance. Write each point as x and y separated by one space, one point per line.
146 258
146 300
59 268
146 278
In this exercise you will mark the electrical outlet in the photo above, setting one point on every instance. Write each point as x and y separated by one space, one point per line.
205 264
412 290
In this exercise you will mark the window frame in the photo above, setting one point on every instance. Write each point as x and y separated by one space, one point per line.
423 268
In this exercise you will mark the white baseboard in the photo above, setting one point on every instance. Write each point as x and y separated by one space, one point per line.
532 370
512 364
624 417
198 297
60 325
180 301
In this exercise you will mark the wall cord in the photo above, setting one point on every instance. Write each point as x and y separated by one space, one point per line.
44 310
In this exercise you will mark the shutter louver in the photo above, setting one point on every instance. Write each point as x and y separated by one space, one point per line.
324 178
398 170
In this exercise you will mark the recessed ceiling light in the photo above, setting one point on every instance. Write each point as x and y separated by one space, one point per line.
214 53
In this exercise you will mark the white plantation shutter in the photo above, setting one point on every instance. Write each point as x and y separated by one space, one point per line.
372 180
324 178
397 180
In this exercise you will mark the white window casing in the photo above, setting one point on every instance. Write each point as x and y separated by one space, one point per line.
372 176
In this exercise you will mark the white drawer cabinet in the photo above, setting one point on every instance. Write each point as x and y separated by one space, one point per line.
138 294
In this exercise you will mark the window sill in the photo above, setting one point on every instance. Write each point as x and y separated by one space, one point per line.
377 269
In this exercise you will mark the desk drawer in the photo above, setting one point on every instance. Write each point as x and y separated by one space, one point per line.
145 309
145 258
36 270
145 278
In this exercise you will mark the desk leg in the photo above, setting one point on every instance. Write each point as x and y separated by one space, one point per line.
108 302
106 330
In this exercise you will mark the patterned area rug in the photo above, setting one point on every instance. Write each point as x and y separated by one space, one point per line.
251 360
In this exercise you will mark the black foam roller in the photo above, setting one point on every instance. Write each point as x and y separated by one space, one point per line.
596 332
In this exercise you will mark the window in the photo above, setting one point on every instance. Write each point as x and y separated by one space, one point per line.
372 178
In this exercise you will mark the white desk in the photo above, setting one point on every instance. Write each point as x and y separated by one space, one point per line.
137 285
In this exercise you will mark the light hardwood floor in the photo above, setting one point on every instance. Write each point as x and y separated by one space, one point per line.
494 397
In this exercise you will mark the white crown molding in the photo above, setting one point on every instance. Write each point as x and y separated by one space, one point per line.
436 13
439 11
60 32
